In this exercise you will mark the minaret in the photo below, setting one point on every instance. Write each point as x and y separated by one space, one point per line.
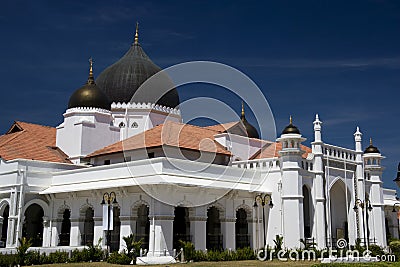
319 219
360 192
373 170
292 195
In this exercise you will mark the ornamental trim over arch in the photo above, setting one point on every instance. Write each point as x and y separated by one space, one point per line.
246 208
39 202
135 207
61 209
3 204
83 208
219 207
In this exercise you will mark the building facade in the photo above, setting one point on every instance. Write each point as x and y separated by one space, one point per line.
220 187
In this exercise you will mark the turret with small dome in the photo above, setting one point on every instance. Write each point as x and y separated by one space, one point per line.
89 95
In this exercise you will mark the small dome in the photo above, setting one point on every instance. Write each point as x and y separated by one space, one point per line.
250 129
121 80
291 129
371 148
89 95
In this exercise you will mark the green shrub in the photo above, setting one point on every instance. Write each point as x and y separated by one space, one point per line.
7 260
395 248
132 246
376 250
57 257
119 258
188 250
22 249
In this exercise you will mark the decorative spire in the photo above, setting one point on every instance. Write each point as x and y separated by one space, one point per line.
136 42
243 116
91 78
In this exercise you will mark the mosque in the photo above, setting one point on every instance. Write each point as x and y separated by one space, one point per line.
118 165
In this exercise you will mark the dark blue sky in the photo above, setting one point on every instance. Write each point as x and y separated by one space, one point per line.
340 59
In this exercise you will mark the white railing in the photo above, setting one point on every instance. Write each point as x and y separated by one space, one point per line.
331 151
266 164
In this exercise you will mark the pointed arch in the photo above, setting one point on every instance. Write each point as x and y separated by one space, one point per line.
247 208
219 207
136 205
339 209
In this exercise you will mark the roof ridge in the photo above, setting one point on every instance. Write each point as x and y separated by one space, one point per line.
35 124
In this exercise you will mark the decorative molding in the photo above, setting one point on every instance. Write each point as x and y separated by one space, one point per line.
150 106
198 219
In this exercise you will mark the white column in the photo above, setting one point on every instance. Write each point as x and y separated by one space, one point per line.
125 230
161 235
98 231
198 232
12 220
377 229
46 232
360 181
228 232
54 232
292 200
319 230
75 235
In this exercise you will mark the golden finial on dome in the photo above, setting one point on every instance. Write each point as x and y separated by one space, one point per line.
137 34
242 109
91 78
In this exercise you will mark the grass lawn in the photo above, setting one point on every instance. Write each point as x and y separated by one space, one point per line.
252 263
197 264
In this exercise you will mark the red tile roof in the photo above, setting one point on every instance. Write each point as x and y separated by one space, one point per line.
31 141
271 150
169 134
223 127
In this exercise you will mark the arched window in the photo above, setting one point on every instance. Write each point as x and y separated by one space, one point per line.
242 229
115 233
4 229
181 227
88 227
33 225
213 228
143 225
64 236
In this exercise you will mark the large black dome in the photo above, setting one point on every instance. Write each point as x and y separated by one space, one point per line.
89 95
121 80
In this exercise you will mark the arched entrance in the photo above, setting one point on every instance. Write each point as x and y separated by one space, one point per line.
307 212
339 211
4 228
143 225
88 227
242 229
33 224
213 228
181 226
115 239
64 236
